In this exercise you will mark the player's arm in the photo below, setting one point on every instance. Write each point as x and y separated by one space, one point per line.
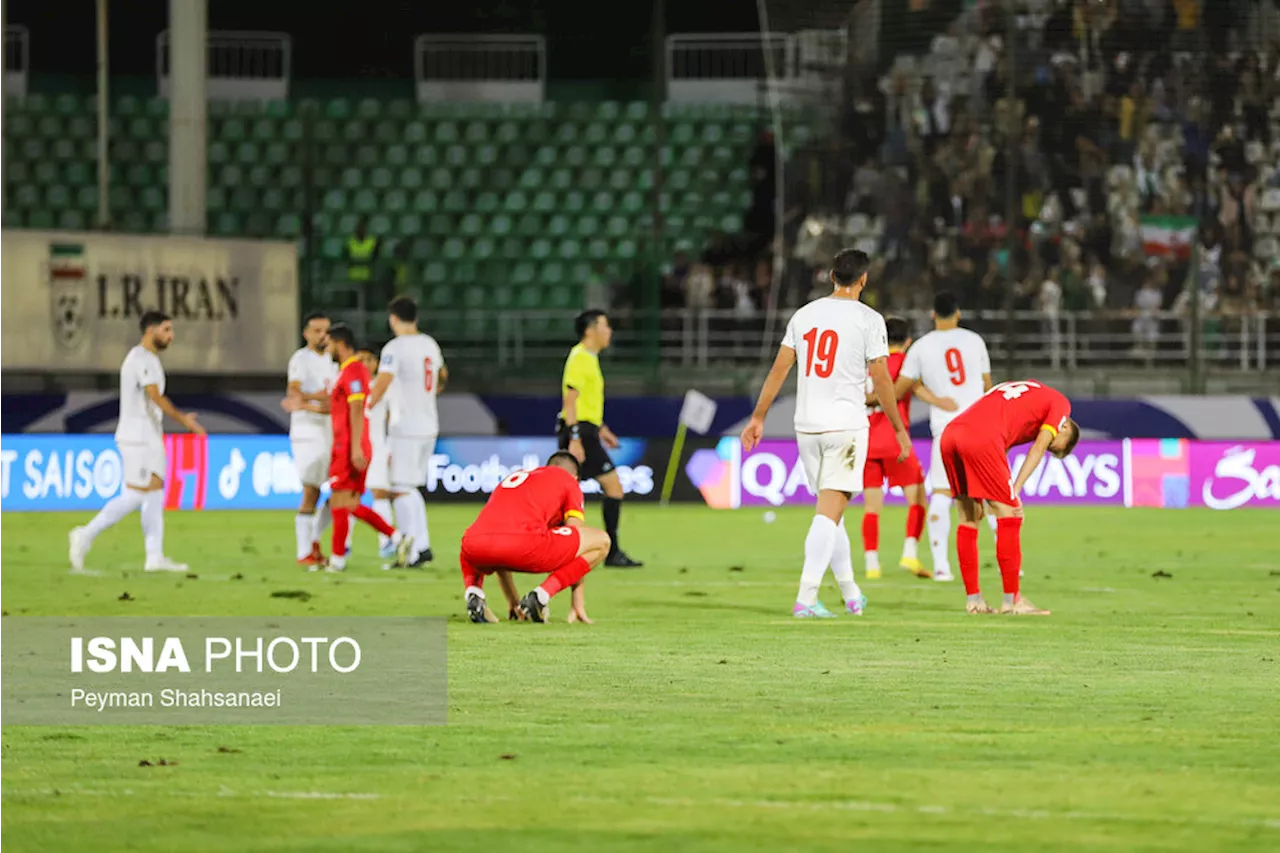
569 406
878 368
924 394
443 379
608 437
578 608
1034 456
355 424
986 382
782 364
186 419
380 386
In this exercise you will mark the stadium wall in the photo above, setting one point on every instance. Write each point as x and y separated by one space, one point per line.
1235 418
80 472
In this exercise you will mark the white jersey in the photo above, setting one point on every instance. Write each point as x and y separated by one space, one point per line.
414 361
379 421
950 363
141 420
314 372
834 340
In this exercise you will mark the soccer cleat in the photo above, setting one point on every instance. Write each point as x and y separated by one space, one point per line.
857 606
943 576
531 608
874 574
332 565
913 565
977 607
163 564
388 550
420 561
315 558
1022 607
403 549
478 611
77 548
619 560
817 611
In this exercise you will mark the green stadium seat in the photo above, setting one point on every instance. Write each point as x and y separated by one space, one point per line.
477 133
575 156
621 180
446 133
87 199
227 223
336 155
50 126
502 178
529 225
57 197
16 173
395 200
381 178
369 109
64 149
387 132
439 225
440 299
126 105
352 178
27 197
441 179
352 133
273 199
40 219
215 197
277 154
544 202
591 178
426 201
71 220
322 131
570 249
46 173
598 249
332 249
133 221
367 156
81 127
558 225
244 199
288 226
574 201
636 111
486 155
435 273
247 153
507 133
156 153
595 134
455 201
218 152
396 156
408 225
516 202
552 275
335 200
365 202
379 223
483 249
258 224
603 202
500 225
426 156
487 202
540 249
471 225
415 132
338 108
532 178
511 249
232 130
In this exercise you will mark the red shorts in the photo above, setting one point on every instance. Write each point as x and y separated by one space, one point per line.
343 476
977 466
905 473
534 551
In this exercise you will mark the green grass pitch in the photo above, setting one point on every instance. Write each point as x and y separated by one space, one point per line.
696 714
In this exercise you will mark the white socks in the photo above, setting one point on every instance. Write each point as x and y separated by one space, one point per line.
320 522
116 509
871 560
153 523
411 517
542 595
938 524
302 534
382 506
842 564
818 548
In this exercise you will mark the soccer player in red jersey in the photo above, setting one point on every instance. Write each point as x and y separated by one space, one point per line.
882 464
975 451
533 523
349 459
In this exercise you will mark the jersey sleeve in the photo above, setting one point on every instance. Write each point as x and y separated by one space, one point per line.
572 505
576 374
877 338
911 364
146 373
357 383
387 361
789 336
296 373
1057 410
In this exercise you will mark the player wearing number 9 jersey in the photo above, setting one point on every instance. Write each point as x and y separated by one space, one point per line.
533 522
975 451
953 364
836 342
412 370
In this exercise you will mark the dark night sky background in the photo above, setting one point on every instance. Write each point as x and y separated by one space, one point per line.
342 38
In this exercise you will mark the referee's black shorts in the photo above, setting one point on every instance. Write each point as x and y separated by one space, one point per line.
597 462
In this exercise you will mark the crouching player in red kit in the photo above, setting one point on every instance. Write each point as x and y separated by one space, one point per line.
975 451
349 459
533 523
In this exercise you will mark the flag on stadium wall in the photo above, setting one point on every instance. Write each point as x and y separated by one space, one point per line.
1169 236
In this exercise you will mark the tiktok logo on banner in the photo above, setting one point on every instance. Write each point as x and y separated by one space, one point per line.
1238 470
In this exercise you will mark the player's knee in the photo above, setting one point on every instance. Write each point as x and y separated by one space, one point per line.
595 543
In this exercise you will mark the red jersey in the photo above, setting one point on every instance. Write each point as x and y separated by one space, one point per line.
882 442
1016 412
534 500
350 389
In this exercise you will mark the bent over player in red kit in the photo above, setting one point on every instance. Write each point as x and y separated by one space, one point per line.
975 452
349 459
533 523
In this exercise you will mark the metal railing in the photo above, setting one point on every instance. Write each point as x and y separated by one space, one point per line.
17 60
734 67
242 65
480 68
705 339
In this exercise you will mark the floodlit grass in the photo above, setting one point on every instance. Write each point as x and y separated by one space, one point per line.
696 714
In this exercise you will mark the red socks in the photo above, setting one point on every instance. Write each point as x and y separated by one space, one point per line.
341 527
471 576
566 575
371 518
967 552
915 521
1009 552
870 531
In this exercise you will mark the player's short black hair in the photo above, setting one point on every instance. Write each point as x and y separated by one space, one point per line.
403 309
897 329
343 334
314 315
849 265
152 318
945 304
586 320
563 455
1075 437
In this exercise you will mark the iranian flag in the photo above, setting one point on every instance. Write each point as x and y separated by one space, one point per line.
1169 236
66 261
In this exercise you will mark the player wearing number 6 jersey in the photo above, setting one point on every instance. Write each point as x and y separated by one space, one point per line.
954 365
412 367
837 342
975 452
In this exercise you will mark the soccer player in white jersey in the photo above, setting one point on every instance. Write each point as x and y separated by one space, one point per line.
140 438
837 341
412 368
310 376
954 365
378 474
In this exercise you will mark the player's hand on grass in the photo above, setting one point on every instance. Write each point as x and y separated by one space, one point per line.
904 444
610 440
357 459
575 447
576 615
948 405
752 433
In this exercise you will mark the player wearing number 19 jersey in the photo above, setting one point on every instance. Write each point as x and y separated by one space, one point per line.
953 364
975 448
836 341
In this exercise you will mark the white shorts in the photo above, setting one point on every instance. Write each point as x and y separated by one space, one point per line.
834 460
378 475
311 461
410 457
937 477
141 460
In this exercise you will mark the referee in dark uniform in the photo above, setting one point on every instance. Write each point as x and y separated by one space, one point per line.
581 429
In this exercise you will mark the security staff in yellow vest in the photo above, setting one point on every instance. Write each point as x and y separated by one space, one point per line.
362 253
581 429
